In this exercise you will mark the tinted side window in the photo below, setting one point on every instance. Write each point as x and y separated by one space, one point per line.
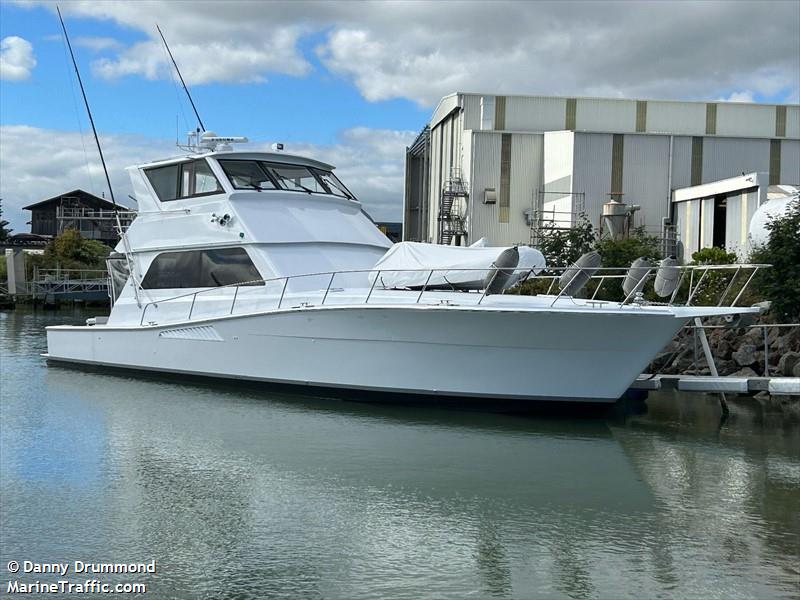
164 181
183 180
200 269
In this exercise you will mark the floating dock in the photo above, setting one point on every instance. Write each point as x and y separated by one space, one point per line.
704 383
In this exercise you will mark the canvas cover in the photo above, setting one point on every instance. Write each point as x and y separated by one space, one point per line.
408 265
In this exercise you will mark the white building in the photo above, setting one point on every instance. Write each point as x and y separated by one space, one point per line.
508 164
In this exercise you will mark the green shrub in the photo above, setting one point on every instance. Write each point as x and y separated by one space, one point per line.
781 283
70 251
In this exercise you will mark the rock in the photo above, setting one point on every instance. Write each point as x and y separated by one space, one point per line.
726 367
787 363
745 372
796 370
745 355
789 341
758 364
774 334
723 350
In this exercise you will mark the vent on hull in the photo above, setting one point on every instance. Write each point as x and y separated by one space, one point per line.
204 333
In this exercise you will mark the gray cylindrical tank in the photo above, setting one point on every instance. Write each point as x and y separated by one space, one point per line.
667 277
574 278
635 279
502 271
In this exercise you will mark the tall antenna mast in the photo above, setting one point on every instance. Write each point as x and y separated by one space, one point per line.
185 89
88 110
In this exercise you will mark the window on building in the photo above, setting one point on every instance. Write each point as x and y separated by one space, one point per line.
201 269
183 180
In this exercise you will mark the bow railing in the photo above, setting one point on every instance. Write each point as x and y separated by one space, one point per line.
695 281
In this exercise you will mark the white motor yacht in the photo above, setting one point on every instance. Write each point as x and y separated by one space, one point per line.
263 266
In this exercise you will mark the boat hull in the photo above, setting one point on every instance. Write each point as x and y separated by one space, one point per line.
533 355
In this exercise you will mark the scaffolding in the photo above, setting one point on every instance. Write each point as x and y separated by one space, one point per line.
542 220
452 208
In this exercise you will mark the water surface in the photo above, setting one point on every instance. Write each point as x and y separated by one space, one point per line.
241 493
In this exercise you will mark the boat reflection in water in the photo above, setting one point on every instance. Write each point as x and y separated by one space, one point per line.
237 493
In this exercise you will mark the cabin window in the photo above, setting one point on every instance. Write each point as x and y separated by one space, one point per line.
247 175
183 180
261 175
296 178
201 269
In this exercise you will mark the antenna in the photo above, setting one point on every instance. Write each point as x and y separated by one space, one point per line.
88 110
185 89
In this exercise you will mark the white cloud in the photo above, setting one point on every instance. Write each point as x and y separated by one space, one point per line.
97 44
16 58
424 50
740 96
40 163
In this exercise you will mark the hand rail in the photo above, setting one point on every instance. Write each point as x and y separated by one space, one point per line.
602 274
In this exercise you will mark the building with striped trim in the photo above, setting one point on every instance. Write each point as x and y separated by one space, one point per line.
499 166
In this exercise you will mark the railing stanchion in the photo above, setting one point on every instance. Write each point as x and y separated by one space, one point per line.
766 352
599 285
328 289
552 283
283 291
696 287
235 293
191 308
422 291
730 285
744 287
374 281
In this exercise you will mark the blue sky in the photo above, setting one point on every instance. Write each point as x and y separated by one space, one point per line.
312 108
349 82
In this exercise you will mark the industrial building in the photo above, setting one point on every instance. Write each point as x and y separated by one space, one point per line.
504 167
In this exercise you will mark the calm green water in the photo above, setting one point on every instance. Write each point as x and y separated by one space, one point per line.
249 494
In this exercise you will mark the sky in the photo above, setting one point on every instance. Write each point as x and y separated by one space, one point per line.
350 83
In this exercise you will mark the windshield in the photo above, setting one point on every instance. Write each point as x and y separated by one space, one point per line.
262 175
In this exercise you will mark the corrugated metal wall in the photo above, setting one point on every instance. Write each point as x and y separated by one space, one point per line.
606 115
525 180
472 111
687 226
745 119
728 157
706 223
793 121
676 117
592 171
681 162
557 175
645 178
790 162
527 151
528 113
485 174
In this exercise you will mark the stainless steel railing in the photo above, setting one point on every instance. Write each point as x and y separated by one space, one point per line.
599 275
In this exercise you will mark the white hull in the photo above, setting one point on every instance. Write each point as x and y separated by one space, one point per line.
469 352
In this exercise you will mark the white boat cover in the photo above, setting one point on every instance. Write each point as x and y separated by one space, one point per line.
408 265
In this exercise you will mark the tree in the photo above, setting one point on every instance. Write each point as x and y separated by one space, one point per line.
70 251
781 283
4 230
621 253
562 247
